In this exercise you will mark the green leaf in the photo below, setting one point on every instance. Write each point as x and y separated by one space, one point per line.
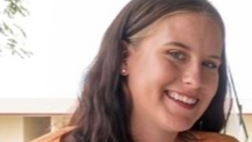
2 31
11 31
7 28
21 30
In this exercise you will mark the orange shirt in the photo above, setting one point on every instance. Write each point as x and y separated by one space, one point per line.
202 136
54 136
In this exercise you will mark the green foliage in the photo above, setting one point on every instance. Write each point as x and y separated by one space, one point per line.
12 36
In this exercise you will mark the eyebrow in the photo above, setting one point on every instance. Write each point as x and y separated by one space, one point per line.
178 44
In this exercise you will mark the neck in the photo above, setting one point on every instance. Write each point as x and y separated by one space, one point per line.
142 131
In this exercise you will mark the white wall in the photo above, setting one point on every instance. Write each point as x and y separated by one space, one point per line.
65 36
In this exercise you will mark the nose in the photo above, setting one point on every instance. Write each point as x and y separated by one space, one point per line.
191 77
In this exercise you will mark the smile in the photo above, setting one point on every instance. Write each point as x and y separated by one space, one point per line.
181 98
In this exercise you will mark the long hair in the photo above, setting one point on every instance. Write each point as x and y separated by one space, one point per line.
103 113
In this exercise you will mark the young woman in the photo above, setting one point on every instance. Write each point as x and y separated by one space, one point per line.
160 76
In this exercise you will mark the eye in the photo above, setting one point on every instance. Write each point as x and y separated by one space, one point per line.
210 65
177 54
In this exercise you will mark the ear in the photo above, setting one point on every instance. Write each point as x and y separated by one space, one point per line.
125 55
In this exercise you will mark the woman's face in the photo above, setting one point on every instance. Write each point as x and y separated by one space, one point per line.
172 74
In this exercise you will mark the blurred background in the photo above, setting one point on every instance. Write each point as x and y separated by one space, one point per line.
46 47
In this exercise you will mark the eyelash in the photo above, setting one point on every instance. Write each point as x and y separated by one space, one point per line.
209 64
182 56
177 55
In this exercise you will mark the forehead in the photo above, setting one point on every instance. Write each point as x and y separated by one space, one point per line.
185 15
188 19
190 27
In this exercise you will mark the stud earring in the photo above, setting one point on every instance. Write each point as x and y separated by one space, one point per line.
123 71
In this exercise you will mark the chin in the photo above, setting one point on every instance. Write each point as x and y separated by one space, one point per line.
180 126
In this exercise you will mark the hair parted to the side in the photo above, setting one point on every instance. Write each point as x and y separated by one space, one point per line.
104 110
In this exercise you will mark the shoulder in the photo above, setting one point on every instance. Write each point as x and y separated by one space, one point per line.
213 137
54 136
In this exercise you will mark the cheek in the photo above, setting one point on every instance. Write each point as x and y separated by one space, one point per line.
163 72
150 75
211 84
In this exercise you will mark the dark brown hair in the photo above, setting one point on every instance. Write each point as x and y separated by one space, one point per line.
104 111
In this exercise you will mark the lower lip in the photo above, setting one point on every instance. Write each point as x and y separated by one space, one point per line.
184 105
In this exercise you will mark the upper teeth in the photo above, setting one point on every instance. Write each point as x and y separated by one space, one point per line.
182 98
